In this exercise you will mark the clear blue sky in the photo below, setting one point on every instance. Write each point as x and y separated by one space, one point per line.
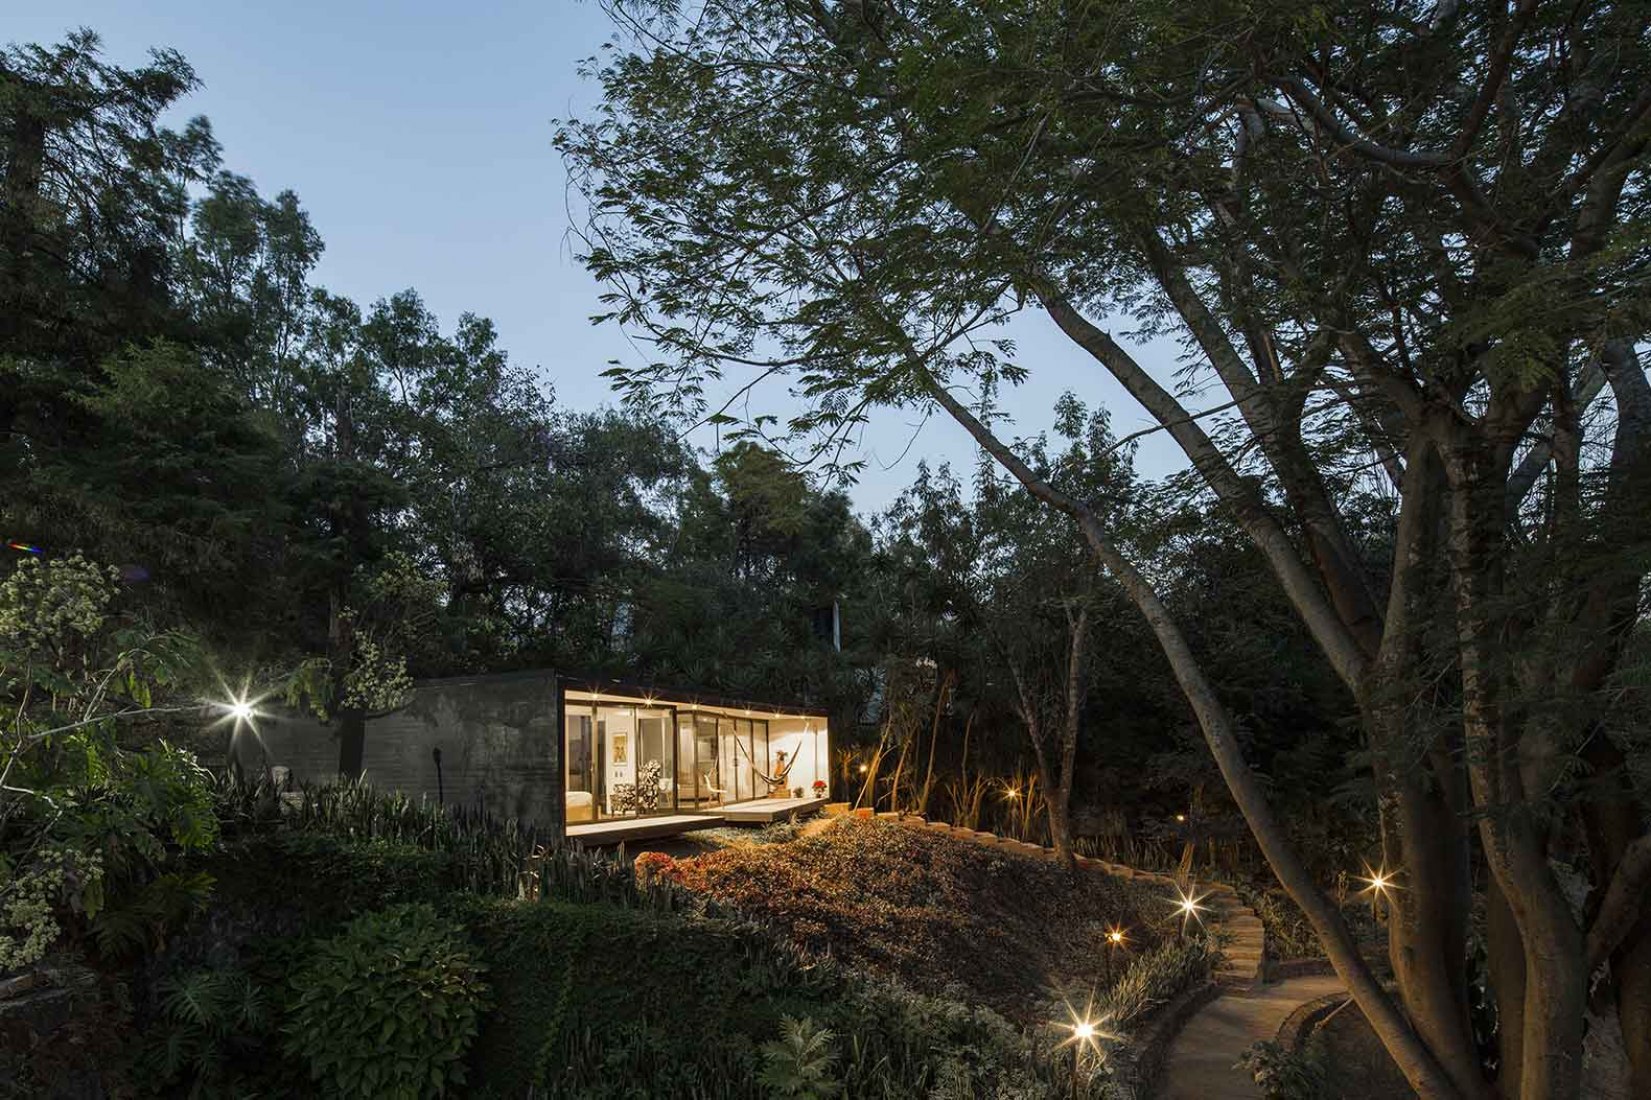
417 134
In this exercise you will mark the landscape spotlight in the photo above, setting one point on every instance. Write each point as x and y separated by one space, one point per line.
1378 882
1187 903
1086 1032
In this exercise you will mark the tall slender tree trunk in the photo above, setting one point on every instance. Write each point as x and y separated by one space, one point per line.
1423 808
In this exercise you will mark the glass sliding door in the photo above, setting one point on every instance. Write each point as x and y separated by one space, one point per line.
635 758
736 759
713 786
687 775
656 760
584 777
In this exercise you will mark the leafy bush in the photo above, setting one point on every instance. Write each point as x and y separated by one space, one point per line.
215 1026
95 807
1290 936
388 1007
1154 978
315 882
1288 1074
487 855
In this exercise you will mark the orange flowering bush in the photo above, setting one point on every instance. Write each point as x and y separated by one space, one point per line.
654 865
942 915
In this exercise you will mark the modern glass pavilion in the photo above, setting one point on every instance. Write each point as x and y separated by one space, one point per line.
602 761
631 753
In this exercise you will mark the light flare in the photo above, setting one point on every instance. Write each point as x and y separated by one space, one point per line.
1378 882
1189 904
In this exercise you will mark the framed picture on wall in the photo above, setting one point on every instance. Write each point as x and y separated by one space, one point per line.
621 748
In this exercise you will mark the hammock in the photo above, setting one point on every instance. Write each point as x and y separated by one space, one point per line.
771 780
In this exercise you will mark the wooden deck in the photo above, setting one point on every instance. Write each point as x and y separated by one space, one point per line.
762 811
595 834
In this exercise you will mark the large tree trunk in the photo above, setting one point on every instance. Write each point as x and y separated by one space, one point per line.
1513 841
1505 967
1413 1057
1422 803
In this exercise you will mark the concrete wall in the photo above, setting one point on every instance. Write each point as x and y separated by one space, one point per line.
499 738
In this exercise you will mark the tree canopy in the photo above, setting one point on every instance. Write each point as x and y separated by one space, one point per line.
1405 241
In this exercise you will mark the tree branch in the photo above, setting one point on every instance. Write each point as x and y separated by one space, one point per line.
1622 905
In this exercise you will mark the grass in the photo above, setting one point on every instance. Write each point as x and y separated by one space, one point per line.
938 914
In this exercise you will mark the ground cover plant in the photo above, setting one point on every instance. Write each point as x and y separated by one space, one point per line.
604 1001
939 914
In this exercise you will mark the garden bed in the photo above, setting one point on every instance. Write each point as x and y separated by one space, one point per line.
939 914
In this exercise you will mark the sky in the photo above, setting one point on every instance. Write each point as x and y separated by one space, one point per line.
418 136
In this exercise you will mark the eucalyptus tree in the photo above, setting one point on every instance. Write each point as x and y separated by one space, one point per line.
1406 240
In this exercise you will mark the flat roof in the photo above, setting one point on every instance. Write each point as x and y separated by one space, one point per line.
681 697
596 685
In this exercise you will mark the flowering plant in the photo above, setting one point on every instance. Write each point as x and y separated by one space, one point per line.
819 786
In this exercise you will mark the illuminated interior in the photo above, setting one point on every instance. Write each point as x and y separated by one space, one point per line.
630 754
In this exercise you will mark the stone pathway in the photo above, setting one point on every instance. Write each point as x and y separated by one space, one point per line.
1201 1059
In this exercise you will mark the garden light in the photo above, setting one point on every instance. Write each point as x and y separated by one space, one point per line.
1116 937
1188 903
1085 1031
1378 883
238 707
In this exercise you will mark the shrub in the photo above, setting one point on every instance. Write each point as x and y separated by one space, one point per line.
1283 1074
599 1001
215 1024
388 1007
315 882
1155 977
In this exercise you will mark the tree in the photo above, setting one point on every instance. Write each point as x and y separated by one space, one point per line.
1406 239
1015 606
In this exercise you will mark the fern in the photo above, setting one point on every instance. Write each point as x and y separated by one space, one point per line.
801 1062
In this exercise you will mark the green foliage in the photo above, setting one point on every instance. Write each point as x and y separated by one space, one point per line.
94 815
317 881
800 1062
216 1025
1288 1074
388 1007
1154 978
479 852
576 1016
